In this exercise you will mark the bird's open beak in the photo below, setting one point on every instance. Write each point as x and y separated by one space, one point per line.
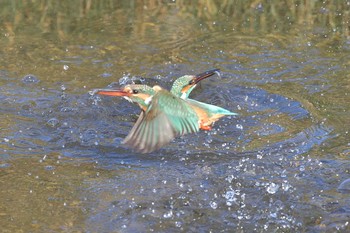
206 74
111 92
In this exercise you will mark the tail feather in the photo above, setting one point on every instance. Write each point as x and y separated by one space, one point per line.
211 108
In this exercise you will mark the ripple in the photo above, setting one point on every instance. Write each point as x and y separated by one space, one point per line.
344 187
30 78
53 122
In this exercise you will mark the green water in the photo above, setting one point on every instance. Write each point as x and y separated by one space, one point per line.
274 168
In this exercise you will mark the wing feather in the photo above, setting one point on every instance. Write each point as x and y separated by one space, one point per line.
166 117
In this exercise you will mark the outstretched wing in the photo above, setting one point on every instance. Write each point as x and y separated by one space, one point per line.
166 117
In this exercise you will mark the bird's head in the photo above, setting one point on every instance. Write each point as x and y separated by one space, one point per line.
184 85
136 93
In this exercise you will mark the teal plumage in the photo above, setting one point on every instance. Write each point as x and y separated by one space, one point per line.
166 118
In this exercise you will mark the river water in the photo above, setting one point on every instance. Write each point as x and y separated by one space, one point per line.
281 165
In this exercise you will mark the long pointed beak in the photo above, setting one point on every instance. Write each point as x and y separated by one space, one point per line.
111 92
206 74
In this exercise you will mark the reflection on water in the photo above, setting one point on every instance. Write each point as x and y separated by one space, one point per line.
277 167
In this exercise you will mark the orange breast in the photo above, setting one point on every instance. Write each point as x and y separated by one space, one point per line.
205 119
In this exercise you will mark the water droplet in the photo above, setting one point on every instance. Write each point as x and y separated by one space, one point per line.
230 197
30 78
286 186
239 126
178 224
92 92
53 122
65 67
124 80
6 140
49 168
168 214
213 205
43 159
272 188
230 178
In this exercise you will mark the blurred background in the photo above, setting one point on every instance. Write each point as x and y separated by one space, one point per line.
282 165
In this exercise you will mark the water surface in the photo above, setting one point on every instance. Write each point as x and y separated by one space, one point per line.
277 167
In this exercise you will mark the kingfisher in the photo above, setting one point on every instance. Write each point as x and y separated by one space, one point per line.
166 115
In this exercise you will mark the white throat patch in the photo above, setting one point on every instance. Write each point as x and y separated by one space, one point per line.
148 100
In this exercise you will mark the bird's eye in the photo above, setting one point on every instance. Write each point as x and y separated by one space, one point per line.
191 82
135 91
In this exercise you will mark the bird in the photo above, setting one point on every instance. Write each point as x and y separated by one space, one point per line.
166 114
